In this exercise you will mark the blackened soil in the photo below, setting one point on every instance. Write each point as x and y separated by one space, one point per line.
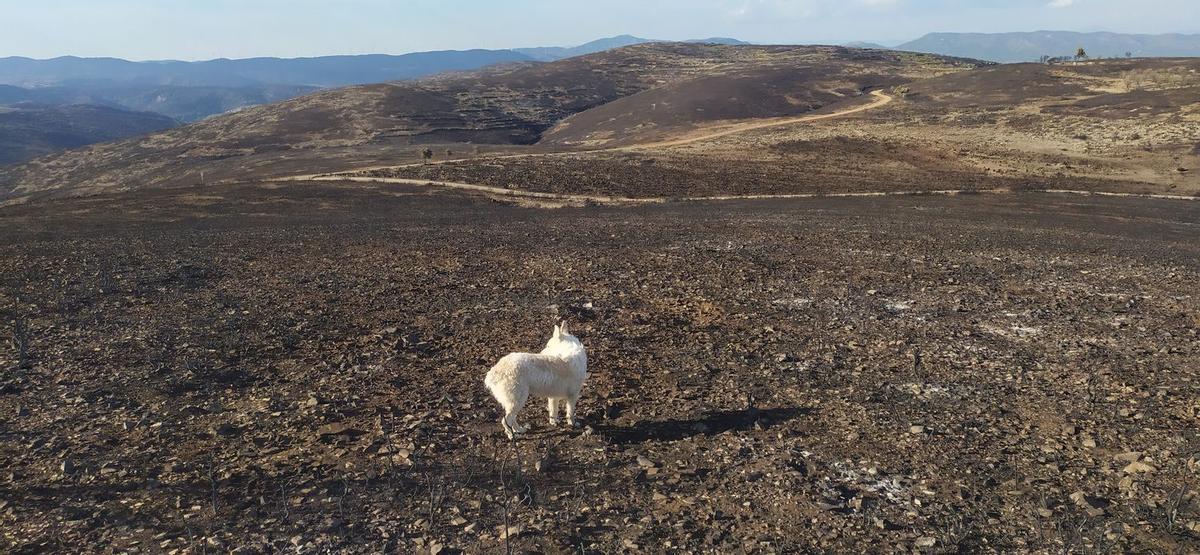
273 368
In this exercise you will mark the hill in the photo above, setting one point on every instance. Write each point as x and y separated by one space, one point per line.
1028 47
183 103
502 106
29 130
554 53
1122 126
550 54
11 95
863 44
191 91
92 74
720 40
821 76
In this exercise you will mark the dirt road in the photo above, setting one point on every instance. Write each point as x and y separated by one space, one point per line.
554 200
880 99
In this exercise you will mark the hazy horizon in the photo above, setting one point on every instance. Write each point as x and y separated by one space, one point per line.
180 30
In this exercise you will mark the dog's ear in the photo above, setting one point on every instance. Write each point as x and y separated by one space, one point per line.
557 331
563 328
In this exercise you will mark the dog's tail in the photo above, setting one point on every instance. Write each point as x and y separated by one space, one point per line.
489 379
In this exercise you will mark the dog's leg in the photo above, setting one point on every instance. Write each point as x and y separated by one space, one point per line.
504 424
509 418
511 427
519 399
552 405
517 426
511 400
571 400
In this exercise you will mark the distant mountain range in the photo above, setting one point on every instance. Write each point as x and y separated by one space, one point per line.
190 91
324 72
862 44
179 102
320 72
1028 47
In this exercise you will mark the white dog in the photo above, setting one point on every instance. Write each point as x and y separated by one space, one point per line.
556 373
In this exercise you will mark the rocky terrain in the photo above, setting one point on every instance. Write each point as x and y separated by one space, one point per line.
296 367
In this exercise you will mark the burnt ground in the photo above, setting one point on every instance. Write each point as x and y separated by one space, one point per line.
266 369
823 165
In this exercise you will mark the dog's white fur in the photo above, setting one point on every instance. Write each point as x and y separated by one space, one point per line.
556 373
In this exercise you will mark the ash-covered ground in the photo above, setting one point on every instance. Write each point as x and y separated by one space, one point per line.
299 368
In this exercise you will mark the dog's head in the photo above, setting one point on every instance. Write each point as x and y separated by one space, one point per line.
562 335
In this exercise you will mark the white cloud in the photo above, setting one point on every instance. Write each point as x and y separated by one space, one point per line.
1061 3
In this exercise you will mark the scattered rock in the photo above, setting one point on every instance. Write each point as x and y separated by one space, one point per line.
1138 468
1093 506
509 532
1114 530
1129 456
339 429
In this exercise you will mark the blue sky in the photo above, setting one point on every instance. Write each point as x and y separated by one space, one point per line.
202 29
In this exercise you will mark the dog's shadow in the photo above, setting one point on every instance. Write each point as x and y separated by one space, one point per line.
710 424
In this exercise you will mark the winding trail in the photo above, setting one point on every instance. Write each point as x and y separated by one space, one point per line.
881 99
567 199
